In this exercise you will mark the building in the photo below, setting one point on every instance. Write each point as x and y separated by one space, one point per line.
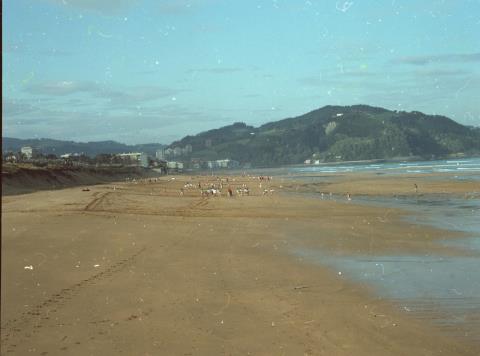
212 164
223 164
174 166
160 154
168 153
11 157
227 163
28 152
177 151
71 156
196 163
144 161
135 158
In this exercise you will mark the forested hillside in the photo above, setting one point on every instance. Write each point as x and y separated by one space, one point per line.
337 133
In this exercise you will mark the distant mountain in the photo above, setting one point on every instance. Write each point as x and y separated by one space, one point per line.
337 133
58 147
332 133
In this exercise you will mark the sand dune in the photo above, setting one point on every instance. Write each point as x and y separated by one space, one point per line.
21 180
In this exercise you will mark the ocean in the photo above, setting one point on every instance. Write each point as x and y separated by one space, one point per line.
461 166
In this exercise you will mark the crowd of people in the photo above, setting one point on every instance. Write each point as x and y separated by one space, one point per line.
226 186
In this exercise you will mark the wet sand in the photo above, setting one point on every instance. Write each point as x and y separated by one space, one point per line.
388 185
141 270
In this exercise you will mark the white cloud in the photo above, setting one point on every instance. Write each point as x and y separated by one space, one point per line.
161 123
103 6
117 97
61 88
441 58
216 70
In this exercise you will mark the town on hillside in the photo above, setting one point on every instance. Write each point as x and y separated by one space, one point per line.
165 161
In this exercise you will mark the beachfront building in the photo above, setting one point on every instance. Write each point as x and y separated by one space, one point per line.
144 161
212 164
197 163
70 155
160 154
228 163
223 164
135 158
28 152
11 157
173 166
177 152
174 152
168 153
131 156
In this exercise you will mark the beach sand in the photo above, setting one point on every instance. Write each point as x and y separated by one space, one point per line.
137 269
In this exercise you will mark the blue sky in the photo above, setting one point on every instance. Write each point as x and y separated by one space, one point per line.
141 71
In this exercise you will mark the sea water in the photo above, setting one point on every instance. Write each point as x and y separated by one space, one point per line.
461 166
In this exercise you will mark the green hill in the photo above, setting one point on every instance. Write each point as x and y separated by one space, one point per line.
337 133
332 133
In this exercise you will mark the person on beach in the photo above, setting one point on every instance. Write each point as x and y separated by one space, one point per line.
349 197
230 192
416 187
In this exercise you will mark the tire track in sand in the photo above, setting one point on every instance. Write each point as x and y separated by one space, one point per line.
102 204
33 320
98 199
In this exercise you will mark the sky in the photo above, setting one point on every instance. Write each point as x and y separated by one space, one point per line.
138 71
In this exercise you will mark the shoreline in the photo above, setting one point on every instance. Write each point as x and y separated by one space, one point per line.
188 274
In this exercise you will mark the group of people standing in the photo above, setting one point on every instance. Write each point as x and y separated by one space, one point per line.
216 188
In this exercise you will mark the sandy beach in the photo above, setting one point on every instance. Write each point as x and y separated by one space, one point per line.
141 269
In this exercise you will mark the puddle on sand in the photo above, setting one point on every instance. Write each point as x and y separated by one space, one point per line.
439 211
444 290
